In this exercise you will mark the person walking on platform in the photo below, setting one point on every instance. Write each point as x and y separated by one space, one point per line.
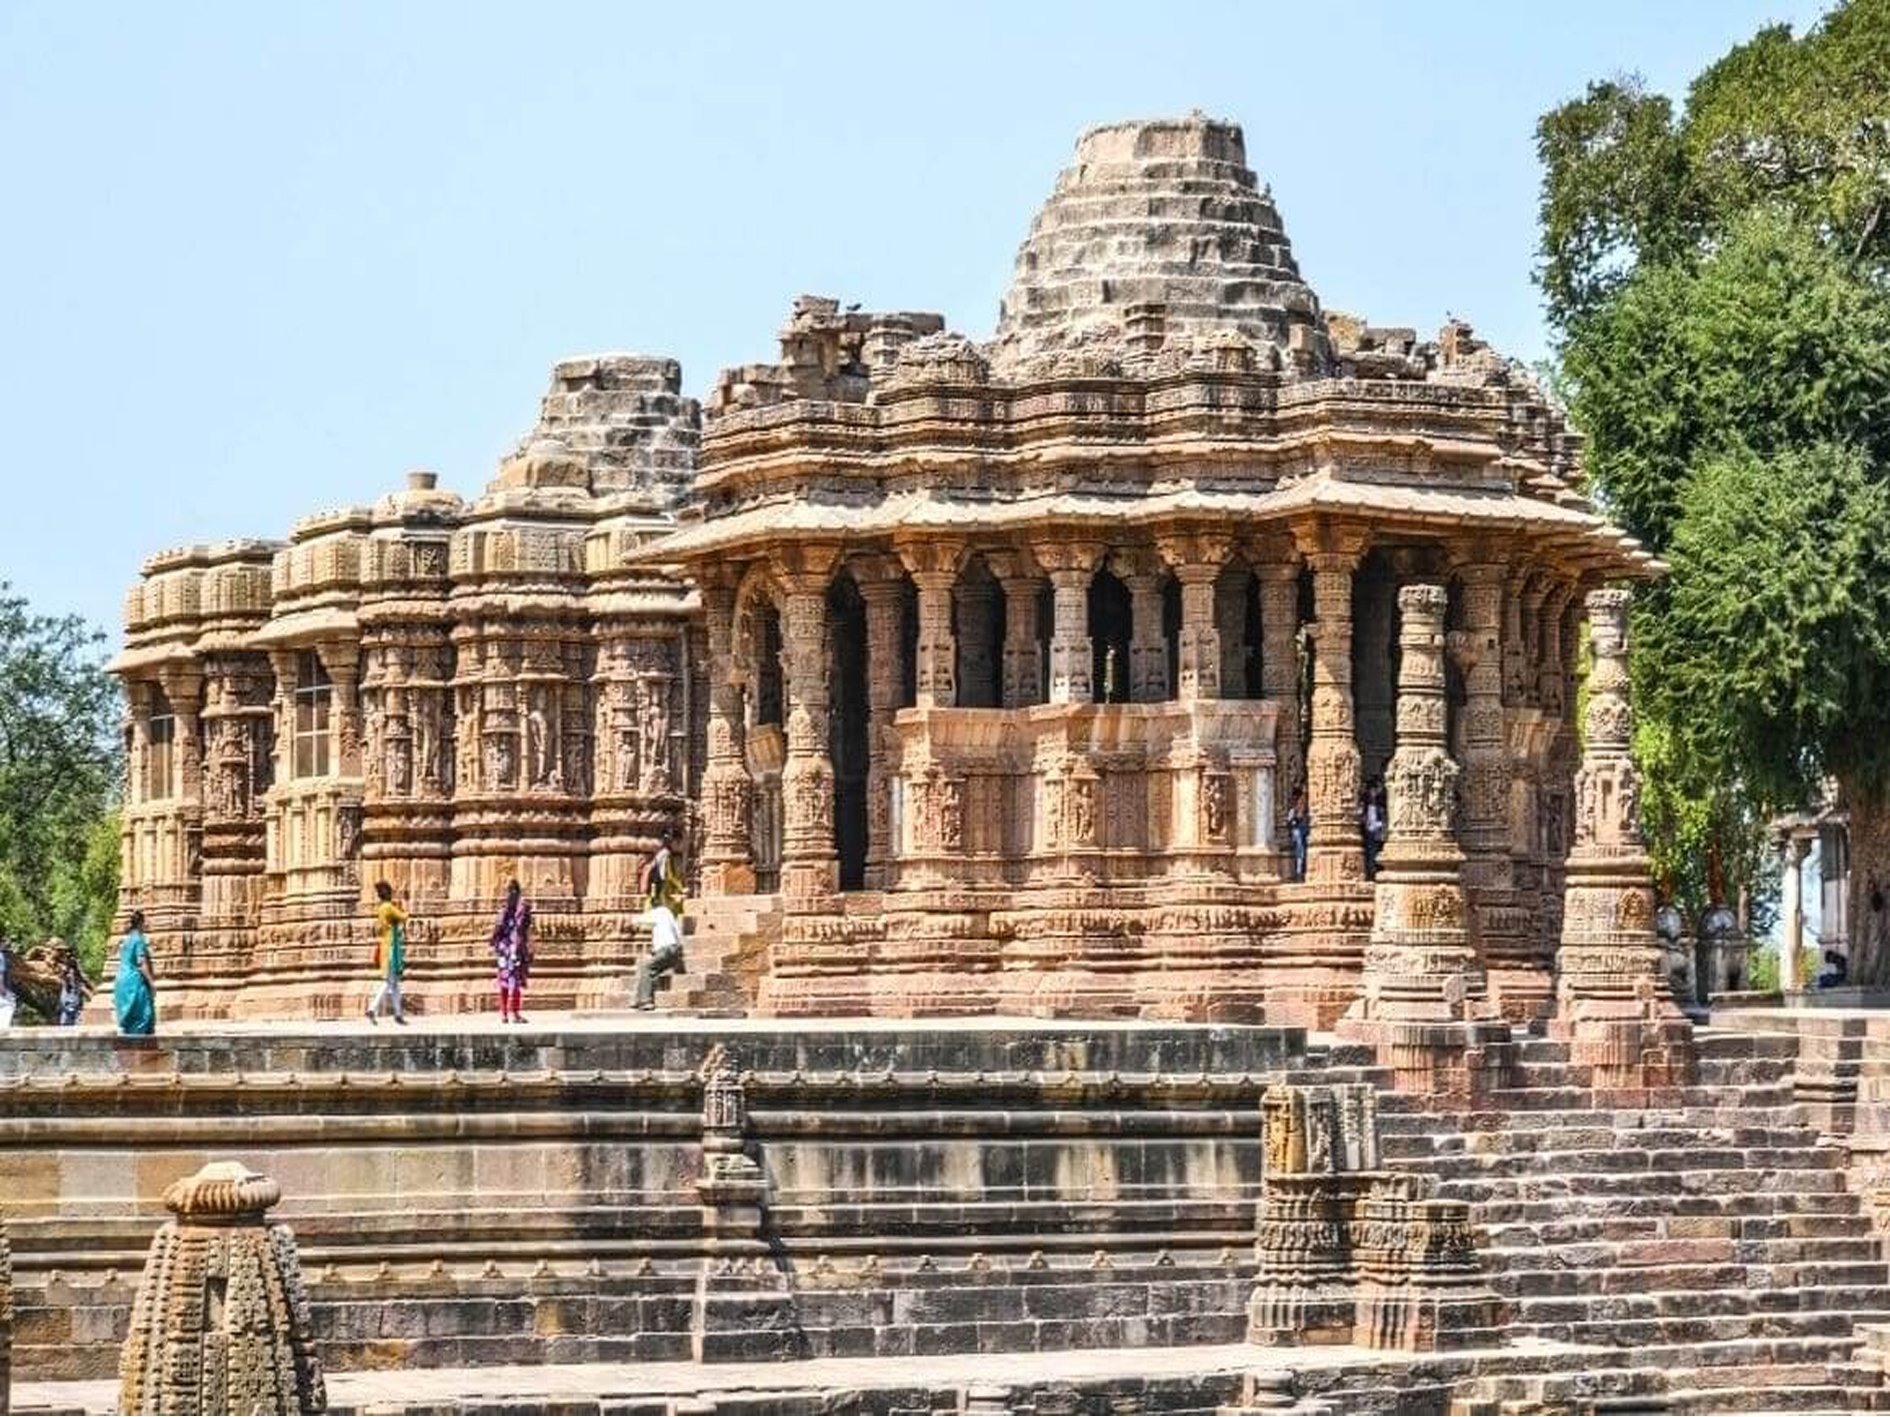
134 994
390 953
512 949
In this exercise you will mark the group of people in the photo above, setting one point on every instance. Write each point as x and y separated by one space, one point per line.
1374 817
72 990
512 941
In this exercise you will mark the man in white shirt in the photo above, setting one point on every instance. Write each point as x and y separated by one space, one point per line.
664 958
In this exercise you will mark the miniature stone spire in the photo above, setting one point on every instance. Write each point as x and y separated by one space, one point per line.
221 1320
1614 1003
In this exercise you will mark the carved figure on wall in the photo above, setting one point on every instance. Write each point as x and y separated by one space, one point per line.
347 833
466 766
229 770
371 767
1628 804
951 813
1082 810
626 748
653 729
399 762
425 719
1214 805
502 760
540 771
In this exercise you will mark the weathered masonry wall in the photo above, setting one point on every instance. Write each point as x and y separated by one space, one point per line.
463 1200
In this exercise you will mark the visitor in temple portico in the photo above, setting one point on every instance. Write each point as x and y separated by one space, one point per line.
1299 830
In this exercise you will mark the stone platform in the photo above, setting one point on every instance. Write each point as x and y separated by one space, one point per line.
968 1215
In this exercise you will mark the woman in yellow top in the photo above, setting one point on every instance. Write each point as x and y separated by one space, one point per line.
390 954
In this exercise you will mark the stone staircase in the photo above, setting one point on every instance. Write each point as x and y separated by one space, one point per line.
725 954
1707 1236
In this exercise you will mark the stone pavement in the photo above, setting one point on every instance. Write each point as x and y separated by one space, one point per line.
658 1387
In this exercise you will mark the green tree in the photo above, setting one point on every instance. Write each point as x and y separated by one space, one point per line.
60 767
1717 280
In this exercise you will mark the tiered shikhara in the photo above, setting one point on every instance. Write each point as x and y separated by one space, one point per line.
997 665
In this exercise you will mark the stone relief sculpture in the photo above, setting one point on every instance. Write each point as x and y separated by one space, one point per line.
540 762
653 731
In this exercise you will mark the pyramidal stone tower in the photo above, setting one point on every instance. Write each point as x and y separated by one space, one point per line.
1156 216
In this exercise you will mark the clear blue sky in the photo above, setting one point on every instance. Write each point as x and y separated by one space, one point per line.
261 259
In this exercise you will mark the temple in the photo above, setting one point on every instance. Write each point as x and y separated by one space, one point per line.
986 674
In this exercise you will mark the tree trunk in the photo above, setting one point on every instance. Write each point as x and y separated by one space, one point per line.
1869 888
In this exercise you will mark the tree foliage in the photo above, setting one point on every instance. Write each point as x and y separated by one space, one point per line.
1719 279
1798 121
60 766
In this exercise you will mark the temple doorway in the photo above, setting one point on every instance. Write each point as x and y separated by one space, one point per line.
848 738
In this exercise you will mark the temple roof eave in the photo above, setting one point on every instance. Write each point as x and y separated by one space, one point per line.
927 513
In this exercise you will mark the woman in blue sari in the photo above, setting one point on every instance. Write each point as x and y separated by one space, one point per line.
134 995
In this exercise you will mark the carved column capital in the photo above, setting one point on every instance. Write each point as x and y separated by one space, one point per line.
935 558
1067 559
1196 555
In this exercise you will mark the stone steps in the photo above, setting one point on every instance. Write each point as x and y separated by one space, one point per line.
1811 1237
1630 1161
1545 1281
1499 1186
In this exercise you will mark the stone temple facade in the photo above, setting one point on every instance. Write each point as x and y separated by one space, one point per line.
989 670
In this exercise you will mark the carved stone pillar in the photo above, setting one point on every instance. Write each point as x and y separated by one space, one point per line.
1336 853
934 568
1143 574
1424 1002
1486 763
1279 674
1197 561
882 587
1071 566
728 866
1023 660
809 862
1614 1002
